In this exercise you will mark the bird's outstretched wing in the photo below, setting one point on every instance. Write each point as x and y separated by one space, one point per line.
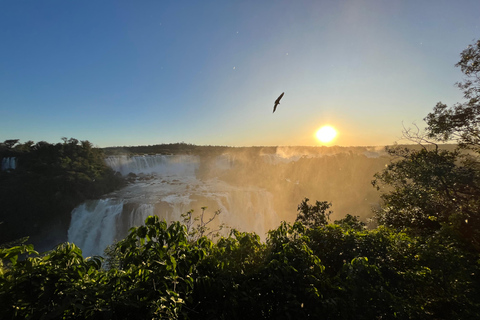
277 102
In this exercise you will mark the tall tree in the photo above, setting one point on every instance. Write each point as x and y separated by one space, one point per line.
461 122
430 188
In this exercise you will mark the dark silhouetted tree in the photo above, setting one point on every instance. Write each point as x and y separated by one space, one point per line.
313 216
430 188
461 122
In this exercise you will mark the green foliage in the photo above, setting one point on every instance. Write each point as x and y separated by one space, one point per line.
153 279
57 285
337 271
383 273
225 276
198 227
432 189
351 222
461 122
49 181
313 215
157 263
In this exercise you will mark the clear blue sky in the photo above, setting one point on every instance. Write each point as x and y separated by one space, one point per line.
122 73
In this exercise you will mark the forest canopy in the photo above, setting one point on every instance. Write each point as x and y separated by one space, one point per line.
48 182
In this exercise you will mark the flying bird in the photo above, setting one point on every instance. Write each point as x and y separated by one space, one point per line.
277 102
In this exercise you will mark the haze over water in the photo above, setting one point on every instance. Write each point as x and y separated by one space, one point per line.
254 189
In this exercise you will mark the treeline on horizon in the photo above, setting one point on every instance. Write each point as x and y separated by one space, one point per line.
421 261
206 150
211 150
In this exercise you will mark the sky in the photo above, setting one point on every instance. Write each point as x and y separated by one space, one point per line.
127 73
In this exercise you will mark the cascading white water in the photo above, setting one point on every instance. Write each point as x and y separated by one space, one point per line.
159 164
167 186
248 209
93 224
9 163
254 189
96 224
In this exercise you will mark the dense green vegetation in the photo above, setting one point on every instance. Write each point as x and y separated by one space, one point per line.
49 181
422 261
332 271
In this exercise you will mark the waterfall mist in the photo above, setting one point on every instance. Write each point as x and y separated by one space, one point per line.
255 189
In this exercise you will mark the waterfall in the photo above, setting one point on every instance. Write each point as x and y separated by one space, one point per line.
247 209
98 223
166 165
93 225
9 163
170 190
254 189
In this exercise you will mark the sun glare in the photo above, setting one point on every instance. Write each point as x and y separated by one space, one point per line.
326 134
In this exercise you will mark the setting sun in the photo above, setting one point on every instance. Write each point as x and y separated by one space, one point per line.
326 134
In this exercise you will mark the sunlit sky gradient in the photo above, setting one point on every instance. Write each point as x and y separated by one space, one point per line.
121 73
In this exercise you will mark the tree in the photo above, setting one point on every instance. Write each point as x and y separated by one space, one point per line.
430 188
313 216
351 222
49 181
10 143
461 122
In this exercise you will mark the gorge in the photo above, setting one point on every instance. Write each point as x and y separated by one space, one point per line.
254 189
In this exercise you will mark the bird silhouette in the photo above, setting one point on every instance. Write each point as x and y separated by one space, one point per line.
277 102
